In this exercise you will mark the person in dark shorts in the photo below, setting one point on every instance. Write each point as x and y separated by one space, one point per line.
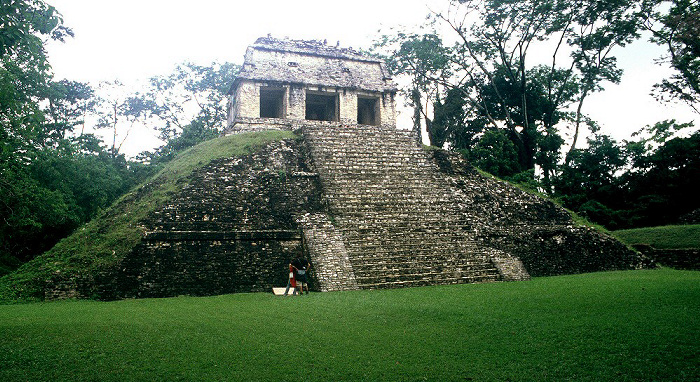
301 266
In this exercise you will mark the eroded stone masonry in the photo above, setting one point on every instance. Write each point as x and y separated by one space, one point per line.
361 199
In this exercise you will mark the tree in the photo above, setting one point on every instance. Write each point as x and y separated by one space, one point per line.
24 22
650 181
495 37
185 107
69 102
677 29
424 59
51 180
594 29
25 75
451 123
663 177
116 111
496 154
502 84
191 93
58 190
666 185
589 182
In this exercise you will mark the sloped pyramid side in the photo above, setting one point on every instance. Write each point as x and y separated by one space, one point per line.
398 216
541 234
232 227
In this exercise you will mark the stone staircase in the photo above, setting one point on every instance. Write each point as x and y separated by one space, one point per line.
398 217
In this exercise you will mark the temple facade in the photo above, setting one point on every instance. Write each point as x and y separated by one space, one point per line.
285 84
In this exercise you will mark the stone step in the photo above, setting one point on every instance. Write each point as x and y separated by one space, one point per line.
366 284
400 222
362 273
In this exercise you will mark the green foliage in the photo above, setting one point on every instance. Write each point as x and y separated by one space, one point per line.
485 81
663 237
639 183
589 179
421 56
599 327
25 77
23 24
55 191
451 123
496 154
54 179
168 102
526 181
674 25
192 134
100 244
532 102
425 60
50 180
666 181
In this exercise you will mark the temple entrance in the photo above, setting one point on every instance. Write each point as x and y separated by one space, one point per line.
272 103
322 106
368 110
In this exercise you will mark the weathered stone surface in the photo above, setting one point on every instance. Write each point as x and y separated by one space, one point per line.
204 268
313 63
397 215
232 228
282 82
675 258
509 266
326 249
368 207
535 230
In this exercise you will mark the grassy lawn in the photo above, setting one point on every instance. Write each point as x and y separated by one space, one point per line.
663 237
614 326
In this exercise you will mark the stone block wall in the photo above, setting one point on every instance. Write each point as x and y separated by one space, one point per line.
394 210
245 107
246 101
296 101
388 115
165 268
688 258
535 230
232 227
348 106
325 247
558 250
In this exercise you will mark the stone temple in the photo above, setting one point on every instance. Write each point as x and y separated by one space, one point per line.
286 83
360 198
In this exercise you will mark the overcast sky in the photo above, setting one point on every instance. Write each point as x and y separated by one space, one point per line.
132 40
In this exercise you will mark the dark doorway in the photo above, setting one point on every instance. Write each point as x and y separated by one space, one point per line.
322 107
271 103
368 110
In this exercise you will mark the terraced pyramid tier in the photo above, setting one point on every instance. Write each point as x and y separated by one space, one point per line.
400 221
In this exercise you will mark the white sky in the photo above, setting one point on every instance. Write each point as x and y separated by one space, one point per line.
132 40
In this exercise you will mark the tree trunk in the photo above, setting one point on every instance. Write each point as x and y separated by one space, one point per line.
417 114
577 124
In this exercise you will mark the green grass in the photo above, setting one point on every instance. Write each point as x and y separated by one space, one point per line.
613 326
663 237
102 242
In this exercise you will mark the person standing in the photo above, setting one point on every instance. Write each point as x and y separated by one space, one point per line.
291 282
301 266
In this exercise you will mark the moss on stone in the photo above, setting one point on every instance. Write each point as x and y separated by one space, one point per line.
99 245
